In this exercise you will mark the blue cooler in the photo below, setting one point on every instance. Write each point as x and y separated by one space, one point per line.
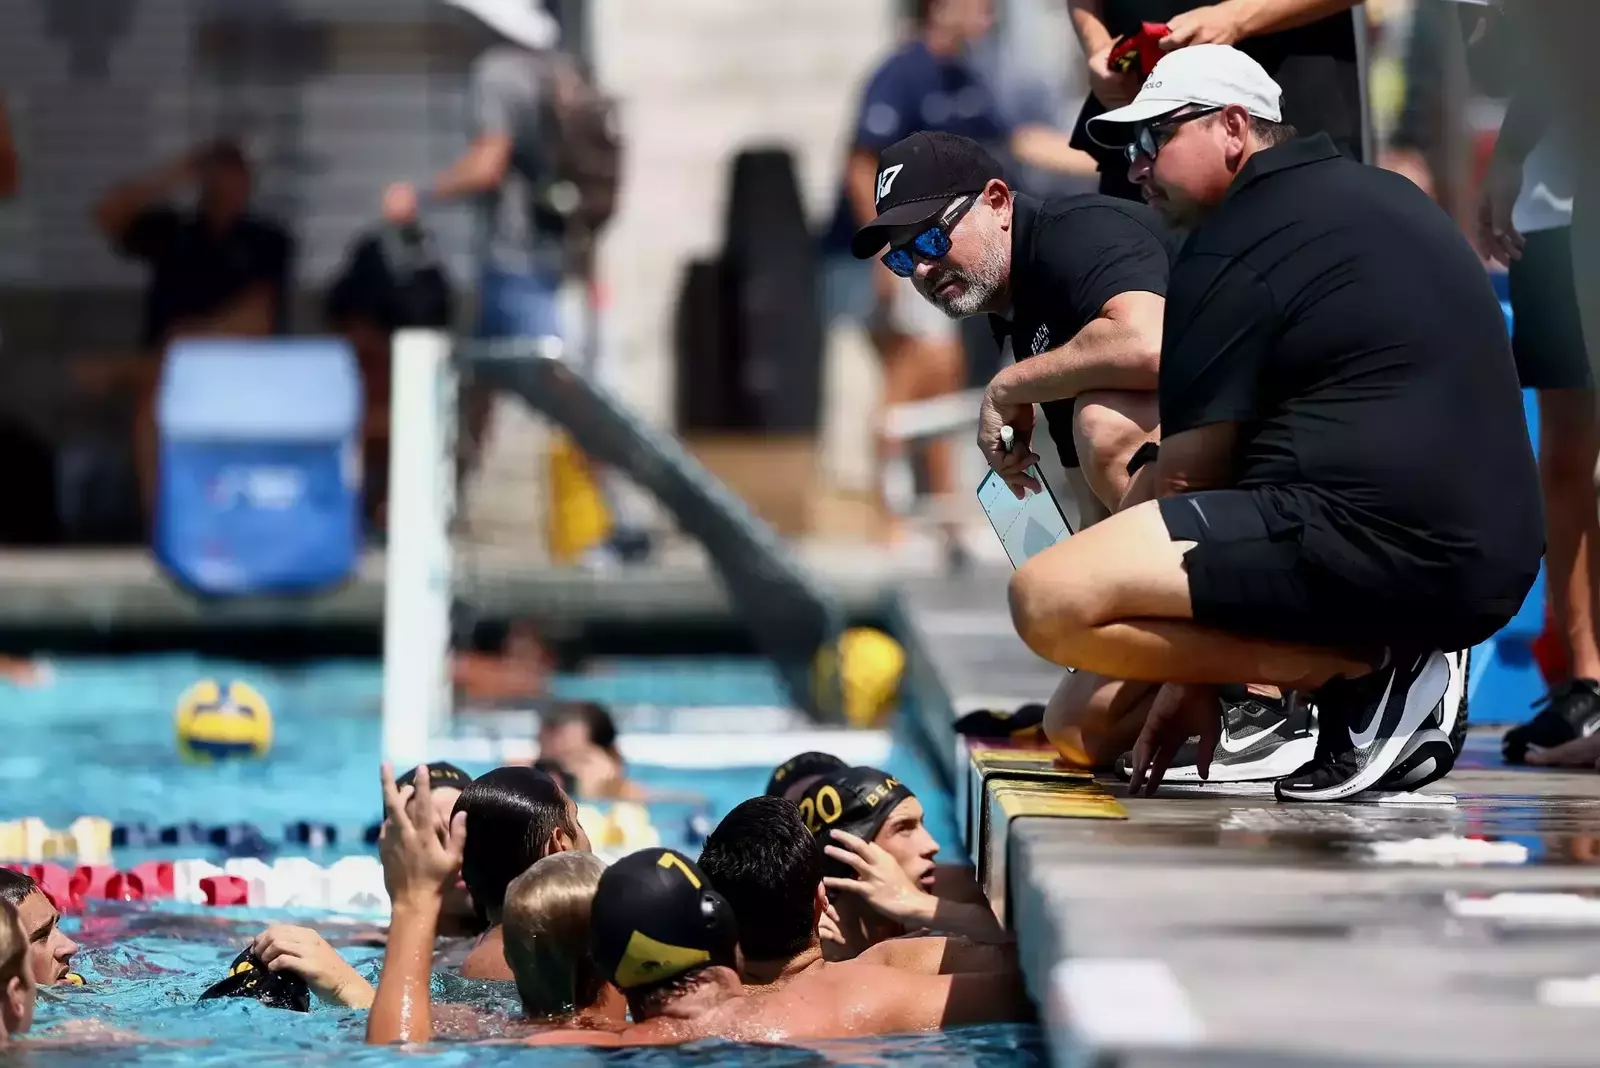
260 483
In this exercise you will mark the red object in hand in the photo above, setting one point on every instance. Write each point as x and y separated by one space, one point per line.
155 876
1139 53
225 890
55 884
89 880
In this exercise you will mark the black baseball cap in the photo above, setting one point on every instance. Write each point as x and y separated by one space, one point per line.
857 800
798 767
917 177
655 917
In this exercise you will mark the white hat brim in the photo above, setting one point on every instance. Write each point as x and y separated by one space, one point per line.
1115 128
522 23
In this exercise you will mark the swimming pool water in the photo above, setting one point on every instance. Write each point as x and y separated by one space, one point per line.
98 741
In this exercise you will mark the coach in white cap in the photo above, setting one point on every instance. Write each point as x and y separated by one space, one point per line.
1345 490
1217 83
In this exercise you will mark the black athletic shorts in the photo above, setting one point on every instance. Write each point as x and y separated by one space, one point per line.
1251 577
1547 333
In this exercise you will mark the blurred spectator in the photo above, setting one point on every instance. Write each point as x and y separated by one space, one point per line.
581 738
930 83
1307 46
215 270
392 278
541 172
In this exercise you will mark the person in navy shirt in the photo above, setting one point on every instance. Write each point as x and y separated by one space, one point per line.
929 83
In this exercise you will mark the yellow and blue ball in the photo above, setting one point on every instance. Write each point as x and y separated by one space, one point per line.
217 721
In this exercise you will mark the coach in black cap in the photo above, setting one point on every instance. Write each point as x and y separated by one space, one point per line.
1078 286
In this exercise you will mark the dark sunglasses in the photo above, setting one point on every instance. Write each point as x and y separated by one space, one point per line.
1149 138
932 244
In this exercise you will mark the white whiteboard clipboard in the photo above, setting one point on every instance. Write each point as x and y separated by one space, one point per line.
1027 527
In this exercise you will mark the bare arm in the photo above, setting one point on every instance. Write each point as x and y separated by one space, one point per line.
860 182
121 206
420 856
400 1009
8 156
1198 459
1088 22
1530 108
481 170
1261 17
1119 350
1049 149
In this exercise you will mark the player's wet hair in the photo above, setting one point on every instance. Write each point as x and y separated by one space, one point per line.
512 817
15 886
767 864
546 917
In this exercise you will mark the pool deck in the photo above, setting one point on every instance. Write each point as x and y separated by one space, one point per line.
124 588
1214 926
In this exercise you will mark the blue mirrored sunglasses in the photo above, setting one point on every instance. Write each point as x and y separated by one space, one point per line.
932 243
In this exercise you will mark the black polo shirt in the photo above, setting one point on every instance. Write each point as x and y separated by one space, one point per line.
1069 255
195 270
1315 65
1340 317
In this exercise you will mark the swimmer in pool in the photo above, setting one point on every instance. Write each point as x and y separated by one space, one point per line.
581 737
768 867
514 816
668 940
791 778
50 951
546 921
420 858
18 990
882 878
459 917
546 934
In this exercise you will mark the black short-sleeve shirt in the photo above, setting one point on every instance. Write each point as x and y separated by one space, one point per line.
1338 316
1069 256
1315 65
195 270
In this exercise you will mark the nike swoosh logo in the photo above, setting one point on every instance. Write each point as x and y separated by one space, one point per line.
1239 745
1363 739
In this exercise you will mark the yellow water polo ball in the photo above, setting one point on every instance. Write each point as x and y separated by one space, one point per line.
223 721
869 666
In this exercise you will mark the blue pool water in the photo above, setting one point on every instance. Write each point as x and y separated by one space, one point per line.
98 741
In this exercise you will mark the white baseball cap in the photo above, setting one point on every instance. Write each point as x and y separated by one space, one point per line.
1210 75
523 22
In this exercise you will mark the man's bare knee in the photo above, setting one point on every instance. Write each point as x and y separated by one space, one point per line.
1085 718
1046 606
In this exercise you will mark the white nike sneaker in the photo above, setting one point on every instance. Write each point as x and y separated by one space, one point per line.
1262 739
1432 752
1367 724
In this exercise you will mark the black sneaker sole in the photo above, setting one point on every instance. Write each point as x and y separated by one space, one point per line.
1428 758
1423 694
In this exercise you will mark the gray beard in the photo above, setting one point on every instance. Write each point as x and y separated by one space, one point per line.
979 286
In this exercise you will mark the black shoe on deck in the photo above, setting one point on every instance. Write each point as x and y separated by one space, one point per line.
1432 751
1571 710
1263 738
1366 724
